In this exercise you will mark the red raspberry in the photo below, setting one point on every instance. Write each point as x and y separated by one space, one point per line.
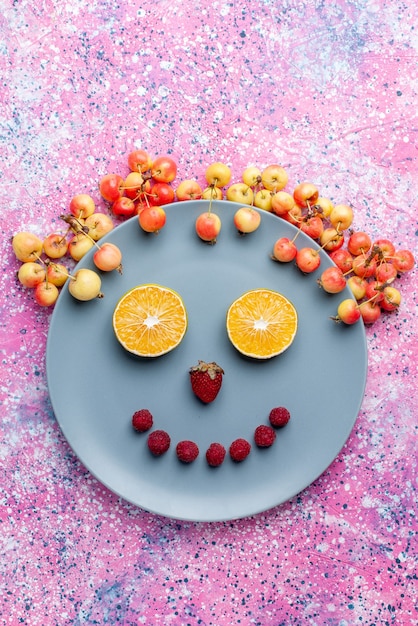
239 450
264 436
142 420
187 451
159 442
215 454
279 417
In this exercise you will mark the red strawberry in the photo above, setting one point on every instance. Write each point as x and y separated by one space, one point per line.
206 380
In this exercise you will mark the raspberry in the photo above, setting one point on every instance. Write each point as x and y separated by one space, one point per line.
159 442
239 450
142 420
187 451
264 436
215 454
279 417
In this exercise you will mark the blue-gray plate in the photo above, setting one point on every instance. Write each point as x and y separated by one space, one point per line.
95 385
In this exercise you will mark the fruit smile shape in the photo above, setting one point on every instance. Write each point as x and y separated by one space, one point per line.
261 323
150 320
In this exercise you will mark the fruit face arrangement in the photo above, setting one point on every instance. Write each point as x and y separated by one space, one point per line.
369 268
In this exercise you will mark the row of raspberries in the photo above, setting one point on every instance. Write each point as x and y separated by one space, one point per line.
187 451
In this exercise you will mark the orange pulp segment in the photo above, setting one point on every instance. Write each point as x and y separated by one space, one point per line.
150 320
261 323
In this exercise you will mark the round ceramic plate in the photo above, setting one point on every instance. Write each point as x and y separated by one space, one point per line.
96 386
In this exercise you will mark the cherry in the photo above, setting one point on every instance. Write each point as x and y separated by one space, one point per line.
403 260
374 291
341 217
391 298
313 226
274 177
152 219
164 169
108 257
332 280
98 225
218 174
212 193
134 184
57 274
305 194
208 226
79 245
281 203
331 239
85 285
358 286
359 243
348 312
370 311
111 187
46 294
364 266
188 190
385 272
284 250
26 246
124 207
139 161
386 246
308 260
342 259
55 245
247 220
30 274
82 205
161 193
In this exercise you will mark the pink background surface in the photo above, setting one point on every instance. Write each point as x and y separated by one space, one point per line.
330 92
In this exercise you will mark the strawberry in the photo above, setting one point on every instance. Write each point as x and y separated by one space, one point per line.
206 380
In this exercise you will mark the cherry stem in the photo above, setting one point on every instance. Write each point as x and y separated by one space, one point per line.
297 235
212 195
367 301
332 238
77 227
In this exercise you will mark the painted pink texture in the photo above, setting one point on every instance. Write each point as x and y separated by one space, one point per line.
329 91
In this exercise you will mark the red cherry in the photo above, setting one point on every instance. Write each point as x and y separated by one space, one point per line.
111 187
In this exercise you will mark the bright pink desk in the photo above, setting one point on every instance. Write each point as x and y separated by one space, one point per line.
328 91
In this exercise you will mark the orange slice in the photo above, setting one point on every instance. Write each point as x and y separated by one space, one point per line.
150 320
261 323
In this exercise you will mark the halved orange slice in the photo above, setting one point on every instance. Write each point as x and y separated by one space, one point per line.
261 323
150 320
